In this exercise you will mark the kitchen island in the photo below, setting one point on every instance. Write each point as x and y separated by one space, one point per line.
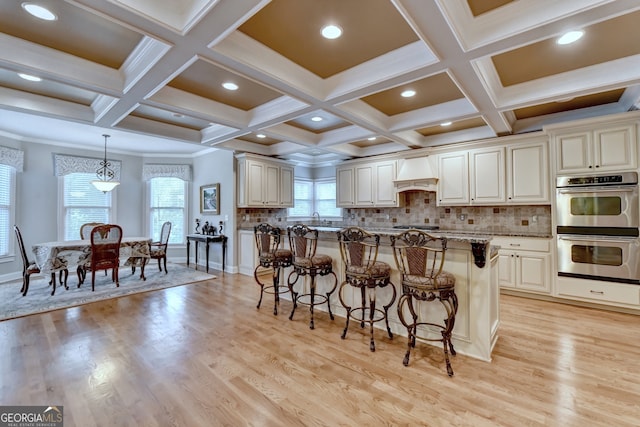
470 258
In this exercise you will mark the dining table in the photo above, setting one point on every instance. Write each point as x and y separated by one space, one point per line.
55 257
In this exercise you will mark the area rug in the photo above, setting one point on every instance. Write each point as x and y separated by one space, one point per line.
40 300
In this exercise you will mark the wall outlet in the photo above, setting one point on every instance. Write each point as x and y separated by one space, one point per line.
534 218
462 217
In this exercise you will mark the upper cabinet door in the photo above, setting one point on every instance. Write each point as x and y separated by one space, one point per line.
255 183
574 152
286 186
364 185
528 173
453 179
385 174
345 185
487 176
272 185
615 148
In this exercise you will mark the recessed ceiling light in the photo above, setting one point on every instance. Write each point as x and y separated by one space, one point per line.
230 86
39 12
445 124
372 138
408 93
316 119
261 135
570 37
331 31
29 77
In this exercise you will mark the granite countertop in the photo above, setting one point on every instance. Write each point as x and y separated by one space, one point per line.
460 235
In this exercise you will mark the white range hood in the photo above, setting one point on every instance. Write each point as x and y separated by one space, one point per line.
416 174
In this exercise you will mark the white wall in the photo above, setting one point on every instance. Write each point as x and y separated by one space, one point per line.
211 168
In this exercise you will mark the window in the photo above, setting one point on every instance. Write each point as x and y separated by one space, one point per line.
167 202
315 196
83 203
7 208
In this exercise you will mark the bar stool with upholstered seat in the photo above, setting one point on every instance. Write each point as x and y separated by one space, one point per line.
359 252
273 258
306 262
420 260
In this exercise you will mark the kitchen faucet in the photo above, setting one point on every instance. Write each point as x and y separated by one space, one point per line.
314 214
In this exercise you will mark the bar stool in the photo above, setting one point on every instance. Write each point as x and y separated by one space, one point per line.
420 260
359 252
306 262
270 257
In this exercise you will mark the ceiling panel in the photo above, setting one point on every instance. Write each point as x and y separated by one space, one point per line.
77 32
430 91
454 126
169 117
602 42
283 21
205 79
11 80
478 7
576 103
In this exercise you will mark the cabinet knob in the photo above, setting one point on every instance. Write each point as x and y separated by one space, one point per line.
590 166
597 166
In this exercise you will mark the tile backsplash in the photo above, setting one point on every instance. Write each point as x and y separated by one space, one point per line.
420 208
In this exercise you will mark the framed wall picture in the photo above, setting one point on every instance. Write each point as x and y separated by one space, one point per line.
210 199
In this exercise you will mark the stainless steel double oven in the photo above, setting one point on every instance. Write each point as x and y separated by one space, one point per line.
597 225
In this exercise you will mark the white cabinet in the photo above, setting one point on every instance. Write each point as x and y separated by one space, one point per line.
524 264
596 149
453 178
346 187
486 173
528 173
596 291
264 182
367 184
247 252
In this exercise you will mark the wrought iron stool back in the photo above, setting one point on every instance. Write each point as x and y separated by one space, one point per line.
420 259
271 258
306 262
359 253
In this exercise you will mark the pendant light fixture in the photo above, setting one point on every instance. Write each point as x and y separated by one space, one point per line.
105 181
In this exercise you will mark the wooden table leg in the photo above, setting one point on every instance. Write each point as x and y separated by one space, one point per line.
143 262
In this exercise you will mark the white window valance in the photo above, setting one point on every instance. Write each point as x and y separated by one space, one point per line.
166 171
64 165
12 157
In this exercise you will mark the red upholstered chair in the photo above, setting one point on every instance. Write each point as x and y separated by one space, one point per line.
359 252
306 262
105 253
420 260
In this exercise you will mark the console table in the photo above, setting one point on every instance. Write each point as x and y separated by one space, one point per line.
206 239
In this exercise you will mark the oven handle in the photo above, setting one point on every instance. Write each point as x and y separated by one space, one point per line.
607 189
598 238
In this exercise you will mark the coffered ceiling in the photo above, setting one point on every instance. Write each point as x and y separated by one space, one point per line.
150 73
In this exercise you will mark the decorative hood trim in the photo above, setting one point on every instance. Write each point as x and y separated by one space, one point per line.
416 174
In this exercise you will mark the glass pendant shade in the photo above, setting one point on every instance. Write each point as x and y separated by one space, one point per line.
105 181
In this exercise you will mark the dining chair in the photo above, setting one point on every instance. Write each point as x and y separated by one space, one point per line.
105 253
158 250
85 229
30 267
85 233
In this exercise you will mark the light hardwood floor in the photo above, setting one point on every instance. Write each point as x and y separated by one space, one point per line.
202 355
